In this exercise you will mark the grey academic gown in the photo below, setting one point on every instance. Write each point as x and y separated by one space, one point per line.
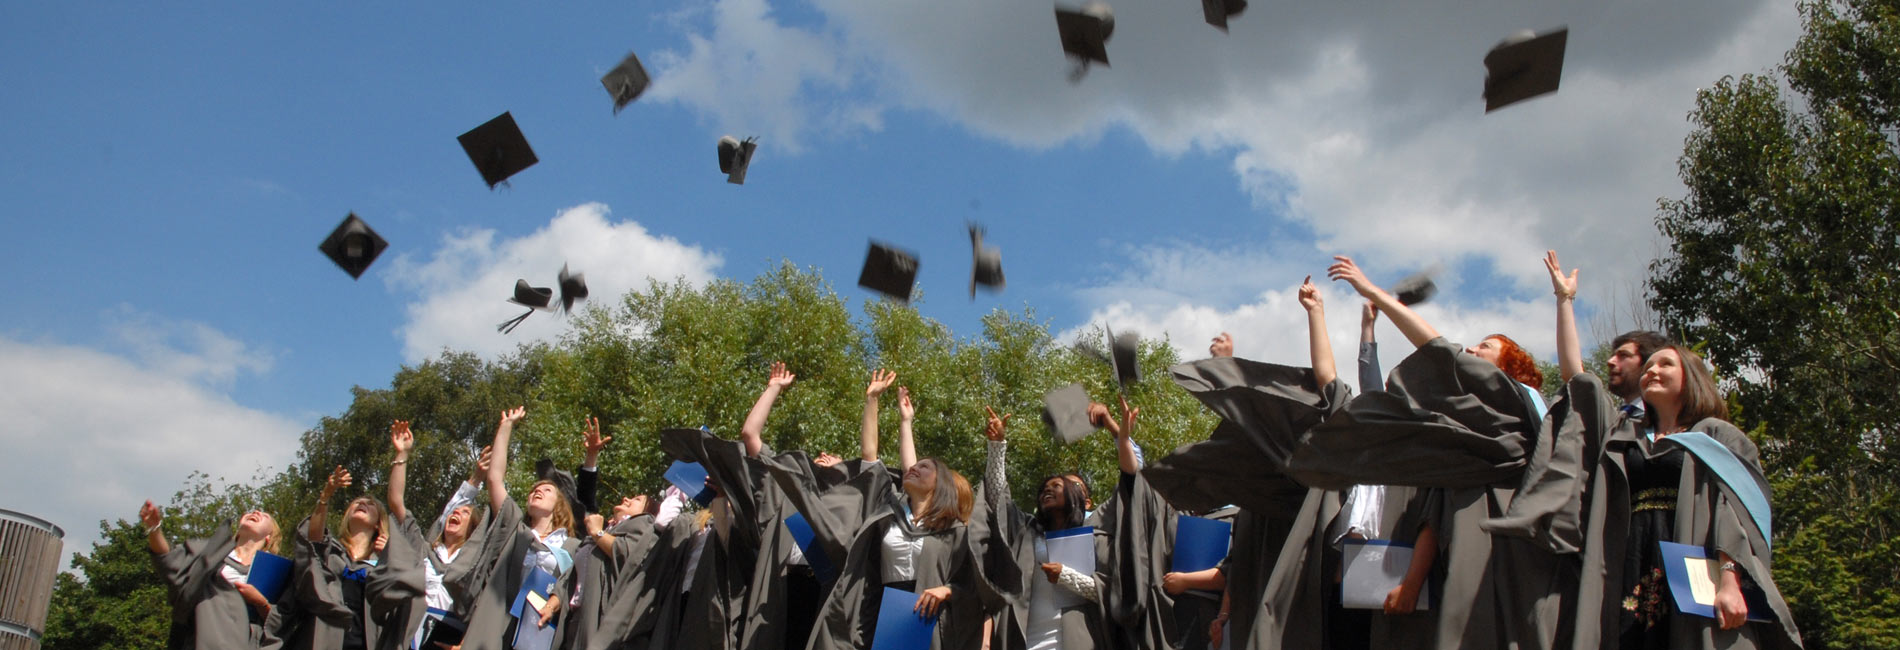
1142 529
598 572
207 611
1596 519
848 521
392 587
498 575
455 574
1006 539
645 576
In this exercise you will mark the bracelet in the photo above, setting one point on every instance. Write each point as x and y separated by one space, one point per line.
152 529
1565 294
1729 566
398 461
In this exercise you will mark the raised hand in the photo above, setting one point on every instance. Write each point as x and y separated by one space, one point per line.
1343 268
1368 314
825 459
1128 417
151 515
1309 295
1223 346
595 524
482 463
400 437
382 542
781 378
339 478
881 380
994 428
591 440
904 407
1562 286
513 415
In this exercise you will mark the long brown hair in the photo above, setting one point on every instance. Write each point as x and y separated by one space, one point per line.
1700 398
951 500
562 516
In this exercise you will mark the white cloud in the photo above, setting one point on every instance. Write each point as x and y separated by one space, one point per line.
91 434
1362 122
460 293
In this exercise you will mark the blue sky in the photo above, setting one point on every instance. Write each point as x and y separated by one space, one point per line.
174 168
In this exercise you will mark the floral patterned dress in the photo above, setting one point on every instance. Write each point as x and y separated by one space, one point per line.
1646 602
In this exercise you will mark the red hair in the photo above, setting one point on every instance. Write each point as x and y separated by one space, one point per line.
1516 363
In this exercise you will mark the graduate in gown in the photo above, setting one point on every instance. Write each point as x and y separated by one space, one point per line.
1050 605
903 527
712 552
613 549
517 540
213 605
449 552
355 589
1679 473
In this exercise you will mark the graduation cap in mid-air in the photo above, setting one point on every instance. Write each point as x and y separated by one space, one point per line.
890 271
1526 65
498 149
734 156
1415 288
626 81
1084 32
1065 411
1216 12
987 264
573 289
531 297
1122 355
353 246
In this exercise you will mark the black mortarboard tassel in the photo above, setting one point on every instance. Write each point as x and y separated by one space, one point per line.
573 289
1523 66
531 297
890 271
353 246
1216 12
498 149
987 264
735 156
626 81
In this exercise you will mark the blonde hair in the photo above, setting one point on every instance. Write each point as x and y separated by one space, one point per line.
382 518
562 515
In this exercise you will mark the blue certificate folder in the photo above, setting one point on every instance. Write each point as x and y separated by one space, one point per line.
1200 543
900 628
538 581
814 554
691 479
1693 579
270 574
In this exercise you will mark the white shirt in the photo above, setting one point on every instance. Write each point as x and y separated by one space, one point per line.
1363 513
434 593
231 574
1045 620
900 551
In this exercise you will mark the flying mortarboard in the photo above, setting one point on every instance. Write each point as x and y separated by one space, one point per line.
1122 356
890 271
531 297
1216 12
1415 288
1065 411
498 149
626 81
1085 31
1523 66
353 246
573 289
987 265
734 156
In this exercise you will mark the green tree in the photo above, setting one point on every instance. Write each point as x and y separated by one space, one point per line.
1784 260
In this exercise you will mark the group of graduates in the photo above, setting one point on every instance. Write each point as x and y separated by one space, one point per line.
1532 526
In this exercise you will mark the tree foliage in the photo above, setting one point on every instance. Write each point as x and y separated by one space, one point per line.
1784 260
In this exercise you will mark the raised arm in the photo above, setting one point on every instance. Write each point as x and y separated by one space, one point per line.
906 443
881 380
1223 346
1569 350
1409 323
152 517
498 459
754 430
995 463
403 441
1318 340
1123 430
339 477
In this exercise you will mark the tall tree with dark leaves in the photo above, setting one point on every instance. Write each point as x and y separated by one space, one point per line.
1784 260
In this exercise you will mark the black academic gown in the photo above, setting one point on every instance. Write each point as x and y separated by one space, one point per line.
590 586
207 611
498 575
391 587
1142 528
848 521
1006 539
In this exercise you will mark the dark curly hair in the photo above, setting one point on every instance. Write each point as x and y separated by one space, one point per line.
1516 363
